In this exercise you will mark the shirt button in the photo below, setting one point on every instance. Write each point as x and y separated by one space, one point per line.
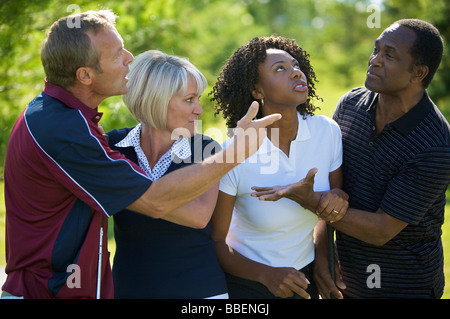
371 143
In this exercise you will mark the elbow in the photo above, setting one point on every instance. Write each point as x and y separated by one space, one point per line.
156 210
202 219
200 224
380 239
378 242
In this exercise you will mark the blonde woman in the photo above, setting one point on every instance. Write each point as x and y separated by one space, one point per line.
158 258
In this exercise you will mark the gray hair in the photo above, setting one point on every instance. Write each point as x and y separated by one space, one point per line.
154 78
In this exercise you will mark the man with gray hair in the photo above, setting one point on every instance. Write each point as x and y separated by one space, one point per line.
62 180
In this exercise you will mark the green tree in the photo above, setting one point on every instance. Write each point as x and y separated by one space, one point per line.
334 32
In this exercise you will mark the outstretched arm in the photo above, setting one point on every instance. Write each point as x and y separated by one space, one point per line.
191 182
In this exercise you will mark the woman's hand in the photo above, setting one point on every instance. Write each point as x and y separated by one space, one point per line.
284 282
301 192
331 207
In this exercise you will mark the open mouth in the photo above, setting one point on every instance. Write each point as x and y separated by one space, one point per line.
301 87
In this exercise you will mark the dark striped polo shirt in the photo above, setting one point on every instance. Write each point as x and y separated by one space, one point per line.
405 171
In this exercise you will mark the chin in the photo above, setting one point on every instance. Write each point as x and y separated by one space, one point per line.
370 86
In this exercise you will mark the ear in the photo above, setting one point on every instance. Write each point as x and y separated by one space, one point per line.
84 75
419 73
257 93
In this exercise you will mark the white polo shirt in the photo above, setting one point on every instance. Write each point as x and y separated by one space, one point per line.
280 234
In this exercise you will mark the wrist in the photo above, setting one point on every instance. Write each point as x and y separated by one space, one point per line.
262 274
311 202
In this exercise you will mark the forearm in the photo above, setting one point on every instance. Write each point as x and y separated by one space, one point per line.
375 228
182 186
238 265
320 239
309 202
197 213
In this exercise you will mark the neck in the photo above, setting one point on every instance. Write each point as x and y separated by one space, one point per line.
391 107
86 96
155 143
287 127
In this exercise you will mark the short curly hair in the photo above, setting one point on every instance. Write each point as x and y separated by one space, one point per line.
233 89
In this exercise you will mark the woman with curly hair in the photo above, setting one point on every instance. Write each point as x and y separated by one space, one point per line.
266 246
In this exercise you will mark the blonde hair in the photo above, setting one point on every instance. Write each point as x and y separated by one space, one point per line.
154 78
67 47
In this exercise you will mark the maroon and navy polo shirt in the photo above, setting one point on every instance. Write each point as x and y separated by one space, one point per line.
61 181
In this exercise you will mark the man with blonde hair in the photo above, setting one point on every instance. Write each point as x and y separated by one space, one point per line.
62 179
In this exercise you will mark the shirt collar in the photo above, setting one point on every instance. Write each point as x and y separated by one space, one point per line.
71 101
303 134
407 122
180 148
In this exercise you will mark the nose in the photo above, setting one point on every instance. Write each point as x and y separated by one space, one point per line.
375 59
198 110
296 72
128 57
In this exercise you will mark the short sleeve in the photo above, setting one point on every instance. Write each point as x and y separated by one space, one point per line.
99 176
228 183
419 185
337 144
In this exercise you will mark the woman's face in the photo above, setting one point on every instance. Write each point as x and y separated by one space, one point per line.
281 81
184 110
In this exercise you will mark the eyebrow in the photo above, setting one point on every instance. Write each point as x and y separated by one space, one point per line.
390 47
191 93
282 61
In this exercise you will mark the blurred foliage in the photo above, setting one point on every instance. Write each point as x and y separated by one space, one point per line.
334 32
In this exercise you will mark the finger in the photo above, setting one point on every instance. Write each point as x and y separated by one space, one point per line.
329 288
260 193
266 195
290 287
261 189
267 120
251 112
299 283
335 292
311 175
339 281
323 204
321 287
270 196
341 207
328 213
300 290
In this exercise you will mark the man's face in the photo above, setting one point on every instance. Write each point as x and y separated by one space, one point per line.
114 61
390 64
